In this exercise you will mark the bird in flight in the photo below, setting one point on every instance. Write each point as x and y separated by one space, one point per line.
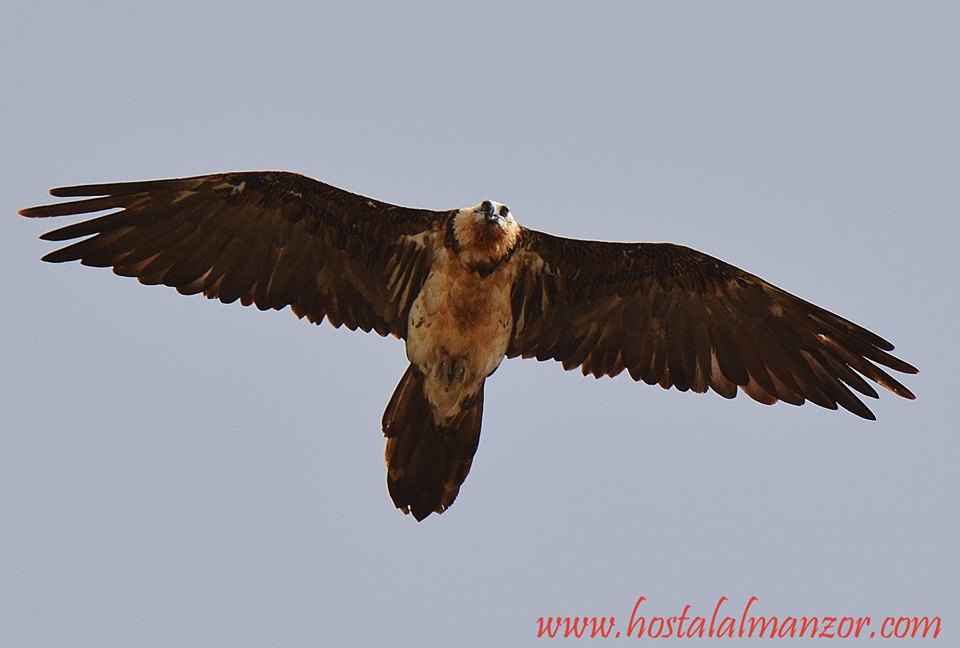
465 288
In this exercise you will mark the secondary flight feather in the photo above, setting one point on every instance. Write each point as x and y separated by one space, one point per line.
465 288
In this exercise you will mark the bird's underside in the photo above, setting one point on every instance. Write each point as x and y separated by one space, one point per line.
465 288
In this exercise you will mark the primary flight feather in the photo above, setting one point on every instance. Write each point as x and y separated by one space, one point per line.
466 288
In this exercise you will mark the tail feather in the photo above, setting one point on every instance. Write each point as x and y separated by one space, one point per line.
427 462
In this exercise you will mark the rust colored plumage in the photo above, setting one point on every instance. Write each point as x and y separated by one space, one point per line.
465 288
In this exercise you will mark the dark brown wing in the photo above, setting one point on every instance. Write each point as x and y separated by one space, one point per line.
273 239
674 316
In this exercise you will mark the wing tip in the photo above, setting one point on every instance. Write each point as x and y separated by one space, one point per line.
57 256
904 392
907 368
38 211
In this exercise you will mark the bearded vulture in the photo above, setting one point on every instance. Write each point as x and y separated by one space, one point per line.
465 288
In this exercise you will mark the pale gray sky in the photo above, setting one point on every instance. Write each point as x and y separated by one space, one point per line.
176 472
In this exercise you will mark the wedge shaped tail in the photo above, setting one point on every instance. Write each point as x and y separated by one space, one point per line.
426 461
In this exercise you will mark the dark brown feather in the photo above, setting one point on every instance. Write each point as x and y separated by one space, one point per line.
273 239
683 319
427 463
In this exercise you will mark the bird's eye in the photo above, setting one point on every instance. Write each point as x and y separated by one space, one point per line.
504 210
486 207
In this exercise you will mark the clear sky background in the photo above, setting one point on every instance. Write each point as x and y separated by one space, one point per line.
176 472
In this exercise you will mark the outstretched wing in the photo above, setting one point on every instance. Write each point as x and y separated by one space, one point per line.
674 316
273 239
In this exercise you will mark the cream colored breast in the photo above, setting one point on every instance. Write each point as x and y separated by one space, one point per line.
462 316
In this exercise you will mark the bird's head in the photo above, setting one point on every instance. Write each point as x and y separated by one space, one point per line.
486 233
